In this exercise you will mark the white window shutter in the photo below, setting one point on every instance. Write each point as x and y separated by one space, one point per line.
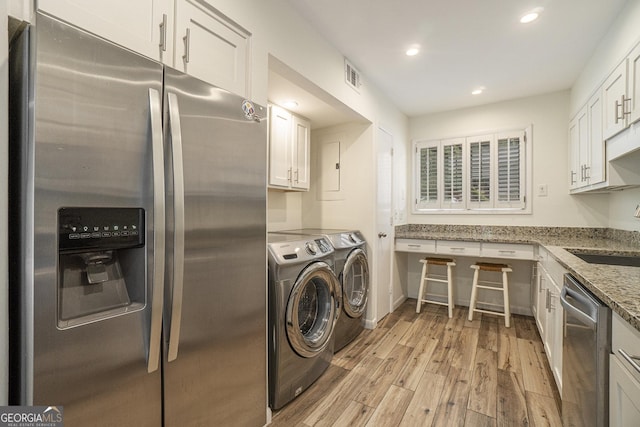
510 170
427 196
453 174
480 173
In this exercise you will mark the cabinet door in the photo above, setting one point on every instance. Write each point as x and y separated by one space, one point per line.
624 396
583 146
141 25
301 147
633 89
575 171
542 302
556 323
595 169
211 48
613 89
280 147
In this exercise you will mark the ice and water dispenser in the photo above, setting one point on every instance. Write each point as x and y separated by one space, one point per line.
101 264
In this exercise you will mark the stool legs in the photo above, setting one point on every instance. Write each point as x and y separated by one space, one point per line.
490 267
423 281
450 289
474 294
422 291
507 310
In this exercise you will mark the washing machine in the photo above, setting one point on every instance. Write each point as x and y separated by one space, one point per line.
352 269
303 310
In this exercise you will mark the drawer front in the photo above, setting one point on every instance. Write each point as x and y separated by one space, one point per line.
626 338
414 245
508 250
452 247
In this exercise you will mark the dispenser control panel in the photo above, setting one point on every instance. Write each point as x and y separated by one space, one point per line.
81 229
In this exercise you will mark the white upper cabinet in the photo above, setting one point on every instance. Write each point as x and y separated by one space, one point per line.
289 150
586 146
144 26
621 90
301 147
211 47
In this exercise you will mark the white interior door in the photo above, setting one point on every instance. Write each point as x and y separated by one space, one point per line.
384 223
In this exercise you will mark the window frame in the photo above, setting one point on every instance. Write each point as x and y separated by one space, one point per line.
494 206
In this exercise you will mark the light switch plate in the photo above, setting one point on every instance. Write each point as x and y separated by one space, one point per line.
542 190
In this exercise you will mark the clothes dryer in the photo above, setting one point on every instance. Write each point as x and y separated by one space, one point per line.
303 310
352 269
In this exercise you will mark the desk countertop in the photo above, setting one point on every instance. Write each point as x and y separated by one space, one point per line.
616 286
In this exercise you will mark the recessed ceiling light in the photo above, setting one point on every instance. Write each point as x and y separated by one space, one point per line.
477 91
413 50
290 104
531 15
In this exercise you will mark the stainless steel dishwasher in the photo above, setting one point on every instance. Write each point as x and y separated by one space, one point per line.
585 357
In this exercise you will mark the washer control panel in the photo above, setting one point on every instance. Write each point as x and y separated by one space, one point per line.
294 251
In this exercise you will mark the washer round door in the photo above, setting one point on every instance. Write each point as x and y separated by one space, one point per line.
355 283
311 310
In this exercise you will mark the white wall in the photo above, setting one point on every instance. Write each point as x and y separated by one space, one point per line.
548 115
284 210
622 205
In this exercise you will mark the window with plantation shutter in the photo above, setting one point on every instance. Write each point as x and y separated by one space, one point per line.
509 170
476 174
453 185
480 171
428 176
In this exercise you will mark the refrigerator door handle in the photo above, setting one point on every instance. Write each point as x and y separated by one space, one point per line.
178 215
157 302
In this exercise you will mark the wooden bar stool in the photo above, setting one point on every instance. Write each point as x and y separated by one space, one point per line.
492 286
433 277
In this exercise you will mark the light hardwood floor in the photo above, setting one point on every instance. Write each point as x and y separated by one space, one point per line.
428 370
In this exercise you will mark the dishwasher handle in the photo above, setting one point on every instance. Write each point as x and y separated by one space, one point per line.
588 320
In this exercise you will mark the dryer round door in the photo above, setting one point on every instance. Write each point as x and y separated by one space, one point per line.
311 310
355 283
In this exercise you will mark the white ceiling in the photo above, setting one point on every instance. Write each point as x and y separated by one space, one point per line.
465 44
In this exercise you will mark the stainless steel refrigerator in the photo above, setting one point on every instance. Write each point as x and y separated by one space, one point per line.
138 252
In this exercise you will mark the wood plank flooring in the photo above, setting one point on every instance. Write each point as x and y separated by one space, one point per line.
428 370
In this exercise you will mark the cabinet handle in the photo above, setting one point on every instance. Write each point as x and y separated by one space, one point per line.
548 301
289 171
414 246
187 42
587 172
625 111
457 249
573 177
297 175
630 359
506 252
163 33
619 106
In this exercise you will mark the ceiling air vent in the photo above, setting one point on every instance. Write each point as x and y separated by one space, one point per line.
352 76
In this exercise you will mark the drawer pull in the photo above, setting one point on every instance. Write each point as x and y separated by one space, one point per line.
415 246
457 249
506 252
630 359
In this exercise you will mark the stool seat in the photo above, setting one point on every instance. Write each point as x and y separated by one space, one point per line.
431 277
502 287
489 266
437 261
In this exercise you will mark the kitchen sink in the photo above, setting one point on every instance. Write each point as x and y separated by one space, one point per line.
625 260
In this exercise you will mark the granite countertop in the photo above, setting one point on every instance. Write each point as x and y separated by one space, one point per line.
616 286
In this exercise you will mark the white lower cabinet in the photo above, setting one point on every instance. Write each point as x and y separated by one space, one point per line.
144 26
549 317
624 375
